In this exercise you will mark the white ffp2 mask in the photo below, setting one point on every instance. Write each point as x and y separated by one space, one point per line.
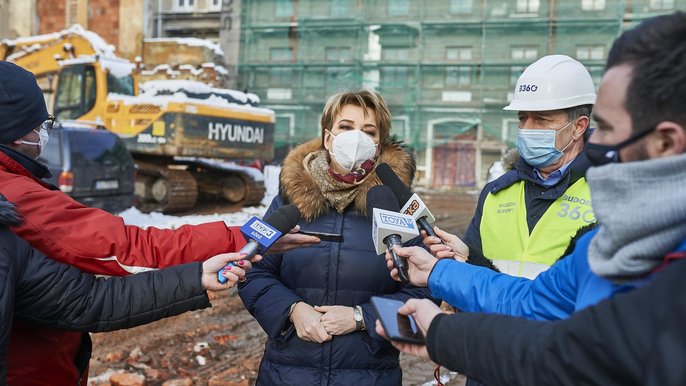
351 148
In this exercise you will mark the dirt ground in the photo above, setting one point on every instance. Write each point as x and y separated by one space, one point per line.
223 345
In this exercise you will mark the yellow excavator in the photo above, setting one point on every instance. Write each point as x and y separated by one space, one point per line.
181 133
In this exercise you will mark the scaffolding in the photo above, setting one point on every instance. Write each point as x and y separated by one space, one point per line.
445 67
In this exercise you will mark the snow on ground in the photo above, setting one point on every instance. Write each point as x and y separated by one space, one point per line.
133 216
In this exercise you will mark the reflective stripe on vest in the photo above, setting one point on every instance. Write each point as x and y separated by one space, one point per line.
505 234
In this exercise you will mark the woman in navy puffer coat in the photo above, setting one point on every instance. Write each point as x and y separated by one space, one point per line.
306 299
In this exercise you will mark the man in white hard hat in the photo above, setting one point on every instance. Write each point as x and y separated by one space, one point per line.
525 219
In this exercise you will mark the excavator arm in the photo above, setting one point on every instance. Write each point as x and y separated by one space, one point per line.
41 54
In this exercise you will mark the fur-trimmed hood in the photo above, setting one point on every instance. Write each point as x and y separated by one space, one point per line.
8 214
297 186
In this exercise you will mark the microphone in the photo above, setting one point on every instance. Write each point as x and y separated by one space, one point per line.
413 205
389 227
261 234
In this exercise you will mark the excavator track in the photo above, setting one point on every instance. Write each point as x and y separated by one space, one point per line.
233 186
166 190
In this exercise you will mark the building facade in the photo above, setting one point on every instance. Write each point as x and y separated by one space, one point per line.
119 22
217 21
446 67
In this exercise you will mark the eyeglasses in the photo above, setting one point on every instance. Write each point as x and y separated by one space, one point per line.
47 125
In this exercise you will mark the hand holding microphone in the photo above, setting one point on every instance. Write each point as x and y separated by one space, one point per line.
215 265
442 244
390 228
262 234
412 204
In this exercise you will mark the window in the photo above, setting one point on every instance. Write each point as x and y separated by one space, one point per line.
119 85
185 5
338 54
398 7
527 6
75 92
590 52
394 77
395 54
458 53
341 8
592 5
284 8
214 5
457 76
281 54
661 4
524 52
461 7
280 77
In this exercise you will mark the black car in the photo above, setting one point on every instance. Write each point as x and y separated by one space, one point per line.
90 164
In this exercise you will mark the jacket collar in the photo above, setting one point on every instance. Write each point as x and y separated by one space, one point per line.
523 171
34 167
299 188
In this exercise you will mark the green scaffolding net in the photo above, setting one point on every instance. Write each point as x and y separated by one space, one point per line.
445 67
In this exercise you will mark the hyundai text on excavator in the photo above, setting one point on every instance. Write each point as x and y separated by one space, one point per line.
181 133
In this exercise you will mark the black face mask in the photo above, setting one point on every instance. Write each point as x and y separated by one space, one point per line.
604 154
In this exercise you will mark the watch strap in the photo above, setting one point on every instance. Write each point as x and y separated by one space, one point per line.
359 321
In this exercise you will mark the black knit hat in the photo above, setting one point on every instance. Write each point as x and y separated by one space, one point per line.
22 107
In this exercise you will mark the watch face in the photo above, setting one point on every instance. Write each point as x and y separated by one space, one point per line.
357 316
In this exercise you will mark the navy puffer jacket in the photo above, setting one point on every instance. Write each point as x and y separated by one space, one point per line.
347 273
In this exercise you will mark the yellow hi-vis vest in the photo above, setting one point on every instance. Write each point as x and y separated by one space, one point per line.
505 234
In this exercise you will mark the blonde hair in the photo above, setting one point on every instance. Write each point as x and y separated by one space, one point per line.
366 99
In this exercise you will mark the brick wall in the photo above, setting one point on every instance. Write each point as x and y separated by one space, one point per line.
51 15
102 16
103 19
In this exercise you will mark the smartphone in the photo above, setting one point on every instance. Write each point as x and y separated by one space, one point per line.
333 237
401 328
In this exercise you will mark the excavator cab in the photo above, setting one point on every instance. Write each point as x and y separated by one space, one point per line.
75 93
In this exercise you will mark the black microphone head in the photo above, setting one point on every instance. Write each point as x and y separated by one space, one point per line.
381 196
389 178
284 218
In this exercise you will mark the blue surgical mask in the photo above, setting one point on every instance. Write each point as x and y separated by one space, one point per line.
537 146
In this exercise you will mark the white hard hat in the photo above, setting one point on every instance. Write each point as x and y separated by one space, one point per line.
551 83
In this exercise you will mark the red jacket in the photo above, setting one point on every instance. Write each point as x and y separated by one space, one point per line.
93 241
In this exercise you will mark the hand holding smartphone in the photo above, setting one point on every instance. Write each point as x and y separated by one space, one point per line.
398 327
323 236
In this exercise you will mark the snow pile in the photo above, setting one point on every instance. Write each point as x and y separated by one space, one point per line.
117 67
164 100
32 43
271 183
193 70
133 216
188 87
192 42
220 69
163 92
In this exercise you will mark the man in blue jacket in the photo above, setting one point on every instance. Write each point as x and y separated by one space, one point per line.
637 187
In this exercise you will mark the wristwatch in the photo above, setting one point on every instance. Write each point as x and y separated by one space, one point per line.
359 320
